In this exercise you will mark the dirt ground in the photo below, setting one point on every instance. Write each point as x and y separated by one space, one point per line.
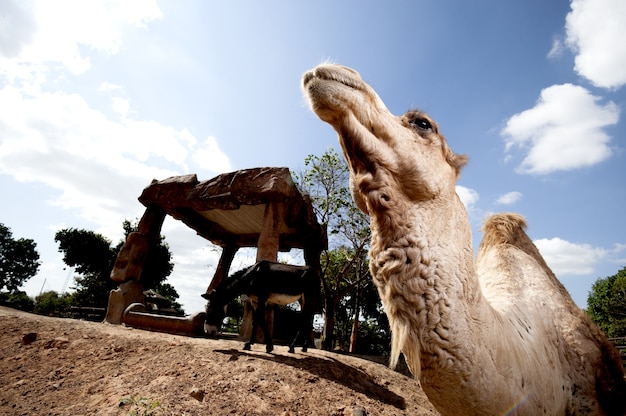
54 366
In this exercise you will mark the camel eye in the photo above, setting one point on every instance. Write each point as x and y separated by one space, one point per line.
421 123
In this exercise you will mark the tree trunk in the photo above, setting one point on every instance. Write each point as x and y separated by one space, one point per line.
354 335
328 337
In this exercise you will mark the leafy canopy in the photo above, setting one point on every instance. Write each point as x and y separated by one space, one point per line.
92 256
19 260
606 304
348 290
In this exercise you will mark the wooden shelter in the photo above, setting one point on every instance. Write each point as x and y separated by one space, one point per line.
258 207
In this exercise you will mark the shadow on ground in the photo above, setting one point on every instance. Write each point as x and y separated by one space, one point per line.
331 370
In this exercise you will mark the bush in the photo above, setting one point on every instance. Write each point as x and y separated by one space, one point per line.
52 304
17 300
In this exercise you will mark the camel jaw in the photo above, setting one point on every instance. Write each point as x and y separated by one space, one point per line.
339 96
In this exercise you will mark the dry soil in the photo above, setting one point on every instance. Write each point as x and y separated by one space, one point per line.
55 366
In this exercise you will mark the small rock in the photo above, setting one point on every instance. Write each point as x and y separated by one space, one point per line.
29 338
313 379
197 393
59 342
358 411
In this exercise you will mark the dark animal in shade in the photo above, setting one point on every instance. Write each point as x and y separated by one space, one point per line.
266 283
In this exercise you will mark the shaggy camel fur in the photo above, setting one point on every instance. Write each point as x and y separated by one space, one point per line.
497 336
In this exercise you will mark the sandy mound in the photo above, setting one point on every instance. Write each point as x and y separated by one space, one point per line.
53 366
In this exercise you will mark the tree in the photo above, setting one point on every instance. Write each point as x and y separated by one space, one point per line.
92 256
168 291
606 304
17 300
50 303
344 266
19 260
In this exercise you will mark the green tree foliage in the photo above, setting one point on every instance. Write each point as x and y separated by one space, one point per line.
375 336
17 300
606 304
325 179
52 304
92 256
360 322
167 290
345 274
19 260
234 316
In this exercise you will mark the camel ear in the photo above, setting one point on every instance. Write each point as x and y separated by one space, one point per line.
456 161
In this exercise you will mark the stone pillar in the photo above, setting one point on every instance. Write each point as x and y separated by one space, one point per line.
267 249
269 238
223 267
129 264
119 299
130 259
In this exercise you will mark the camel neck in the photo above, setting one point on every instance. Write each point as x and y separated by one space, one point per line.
429 244
422 261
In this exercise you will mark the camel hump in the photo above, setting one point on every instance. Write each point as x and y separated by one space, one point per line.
504 228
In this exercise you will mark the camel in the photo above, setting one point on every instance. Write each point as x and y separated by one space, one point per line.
492 336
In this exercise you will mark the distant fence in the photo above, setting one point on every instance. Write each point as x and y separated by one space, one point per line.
88 313
620 343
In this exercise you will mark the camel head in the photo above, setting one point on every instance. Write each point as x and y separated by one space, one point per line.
388 156
215 313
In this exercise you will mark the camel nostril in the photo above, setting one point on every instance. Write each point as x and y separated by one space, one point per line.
306 78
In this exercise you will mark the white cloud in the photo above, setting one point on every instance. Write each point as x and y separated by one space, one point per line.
209 156
54 31
194 258
596 31
107 86
120 105
557 48
17 26
97 161
566 258
563 131
509 198
99 165
468 196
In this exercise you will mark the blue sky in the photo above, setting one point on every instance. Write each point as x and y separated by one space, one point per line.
98 98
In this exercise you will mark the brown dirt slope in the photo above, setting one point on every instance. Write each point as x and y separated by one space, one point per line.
74 367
